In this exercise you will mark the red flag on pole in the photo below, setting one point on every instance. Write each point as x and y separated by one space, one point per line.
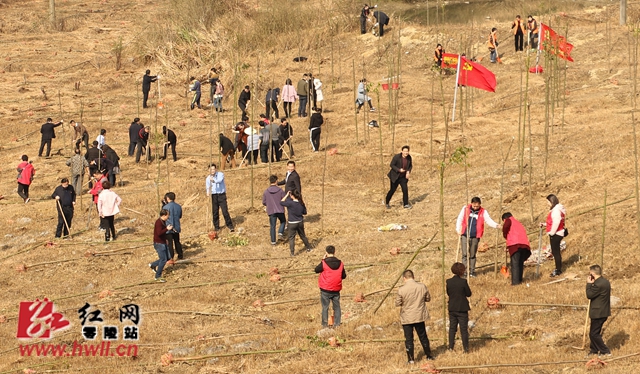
553 43
449 60
475 75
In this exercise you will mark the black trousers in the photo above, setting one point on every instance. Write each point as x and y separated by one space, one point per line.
315 138
517 265
462 319
381 29
142 148
85 139
555 250
297 228
173 241
595 335
243 107
519 41
219 202
42 143
252 157
363 25
533 41
173 151
145 97
402 182
272 105
132 148
287 109
422 336
67 213
110 230
276 152
23 190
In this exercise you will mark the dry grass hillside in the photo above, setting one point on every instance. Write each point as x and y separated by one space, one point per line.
206 307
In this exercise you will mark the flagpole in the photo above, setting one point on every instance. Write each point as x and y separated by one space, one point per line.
455 94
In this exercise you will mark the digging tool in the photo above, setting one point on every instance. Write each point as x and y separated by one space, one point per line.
586 322
498 55
539 253
505 269
64 218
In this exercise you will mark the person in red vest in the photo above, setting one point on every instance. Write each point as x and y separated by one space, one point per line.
555 230
470 227
517 245
332 273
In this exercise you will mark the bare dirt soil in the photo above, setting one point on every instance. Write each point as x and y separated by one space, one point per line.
206 306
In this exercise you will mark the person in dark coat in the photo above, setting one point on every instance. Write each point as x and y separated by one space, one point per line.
314 128
286 132
171 141
382 20
399 176
243 100
94 153
48 133
599 295
134 129
364 14
271 102
458 290
112 156
228 152
518 246
146 86
291 182
66 197
143 139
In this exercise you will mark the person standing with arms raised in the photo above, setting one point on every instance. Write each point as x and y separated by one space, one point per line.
401 166
470 227
556 230
218 191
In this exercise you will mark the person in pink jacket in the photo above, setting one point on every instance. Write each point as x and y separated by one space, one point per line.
289 95
108 203
25 176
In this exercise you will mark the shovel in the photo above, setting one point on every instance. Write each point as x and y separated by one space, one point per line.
505 270
584 334
539 253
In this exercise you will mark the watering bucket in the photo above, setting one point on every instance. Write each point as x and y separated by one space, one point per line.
385 86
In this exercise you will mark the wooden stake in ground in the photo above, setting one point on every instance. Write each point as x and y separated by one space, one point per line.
355 98
604 225
586 323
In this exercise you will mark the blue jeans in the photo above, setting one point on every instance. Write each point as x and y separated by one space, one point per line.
163 257
302 106
334 297
217 103
272 225
494 55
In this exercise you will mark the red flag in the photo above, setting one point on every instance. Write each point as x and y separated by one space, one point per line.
449 60
475 75
553 43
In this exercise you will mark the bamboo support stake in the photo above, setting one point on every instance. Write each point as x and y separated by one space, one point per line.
355 97
415 254
504 161
324 172
530 163
634 68
137 98
604 225
206 357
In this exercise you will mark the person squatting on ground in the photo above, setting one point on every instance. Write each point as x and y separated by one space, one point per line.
271 102
297 210
228 152
173 234
243 100
48 133
65 197
80 134
492 43
170 141
315 129
291 181
401 166
196 88
289 96
134 129
518 27
556 230
411 299
470 227
458 291
271 200
26 172
303 95
286 135
332 272
160 245
518 246
78 166
532 26
382 20
146 86
218 191
599 295
108 207
363 97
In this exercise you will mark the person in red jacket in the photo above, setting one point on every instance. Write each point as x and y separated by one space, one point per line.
332 273
25 176
518 246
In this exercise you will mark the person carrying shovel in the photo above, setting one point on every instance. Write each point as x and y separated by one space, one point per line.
65 196
518 246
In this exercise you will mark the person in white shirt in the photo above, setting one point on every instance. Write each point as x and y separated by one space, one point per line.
101 138
470 227
218 191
